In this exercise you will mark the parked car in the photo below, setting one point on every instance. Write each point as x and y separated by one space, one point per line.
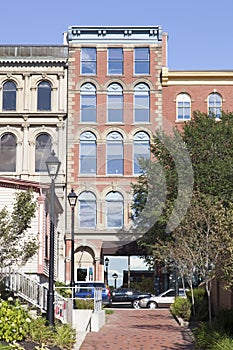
127 296
86 290
164 299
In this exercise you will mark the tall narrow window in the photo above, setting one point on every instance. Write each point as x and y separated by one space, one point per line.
42 152
215 105
88 61
8 153
115 61
141 150
87 153
88 103
141 103
87 210
115 103
114 210
142 60
44 96
9 96
114 153
183 107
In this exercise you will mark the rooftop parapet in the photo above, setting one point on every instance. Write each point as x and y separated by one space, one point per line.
129 34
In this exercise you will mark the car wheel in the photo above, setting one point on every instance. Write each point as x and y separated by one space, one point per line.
153 305
135 304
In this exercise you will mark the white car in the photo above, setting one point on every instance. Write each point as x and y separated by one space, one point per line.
164 299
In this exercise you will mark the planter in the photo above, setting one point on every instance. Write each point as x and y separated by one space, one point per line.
87 320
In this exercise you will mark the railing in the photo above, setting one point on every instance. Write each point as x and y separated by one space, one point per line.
28 289
36 294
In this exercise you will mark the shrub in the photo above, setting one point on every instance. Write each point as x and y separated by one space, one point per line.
65 336
62 336
181 308
224 321
62 289
205 336
200 304
40 332
87 304
14 321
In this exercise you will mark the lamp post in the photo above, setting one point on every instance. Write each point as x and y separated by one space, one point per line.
53 166
106 264
115 276
72 198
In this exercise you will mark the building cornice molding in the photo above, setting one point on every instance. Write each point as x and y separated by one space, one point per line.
204 77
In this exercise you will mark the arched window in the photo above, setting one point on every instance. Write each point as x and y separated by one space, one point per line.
9 96
215 105
141 103
88 103
87 210
183 107
141 149
115 103
42 151
88 153
114 153
8 153
114 210
44 96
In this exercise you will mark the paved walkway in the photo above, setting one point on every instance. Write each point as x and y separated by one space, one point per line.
139 330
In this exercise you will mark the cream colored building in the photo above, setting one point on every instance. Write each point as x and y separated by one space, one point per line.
33 112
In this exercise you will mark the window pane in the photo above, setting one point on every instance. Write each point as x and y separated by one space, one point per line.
8 153
141 150
9 96
142 61
114 214
115 61
87 214
44 96
88 158
115 108
43 151
88 61
88 108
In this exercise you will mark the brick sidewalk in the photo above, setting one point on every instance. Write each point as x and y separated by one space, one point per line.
139 330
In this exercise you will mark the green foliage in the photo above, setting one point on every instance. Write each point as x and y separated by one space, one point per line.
224 321
39 331
62 336
218 336
205 336
146 285
200 304
86 304
4 347
14 248
65 336
14 321
181 308
62 289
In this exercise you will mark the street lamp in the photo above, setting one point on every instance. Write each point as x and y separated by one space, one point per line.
106 264
53 166
72 198
115 276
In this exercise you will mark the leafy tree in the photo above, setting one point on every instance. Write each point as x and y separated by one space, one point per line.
16 247
196 235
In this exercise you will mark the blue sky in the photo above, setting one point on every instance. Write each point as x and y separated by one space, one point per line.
200 32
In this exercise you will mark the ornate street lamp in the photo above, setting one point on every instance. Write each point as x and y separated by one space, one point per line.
53 166
106 264
115 276
72 198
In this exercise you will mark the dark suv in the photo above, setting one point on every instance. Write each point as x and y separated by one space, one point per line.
86 290
127 296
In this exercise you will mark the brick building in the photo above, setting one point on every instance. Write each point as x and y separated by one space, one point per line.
114 107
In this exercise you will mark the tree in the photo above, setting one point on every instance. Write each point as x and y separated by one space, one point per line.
16 247
172 225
